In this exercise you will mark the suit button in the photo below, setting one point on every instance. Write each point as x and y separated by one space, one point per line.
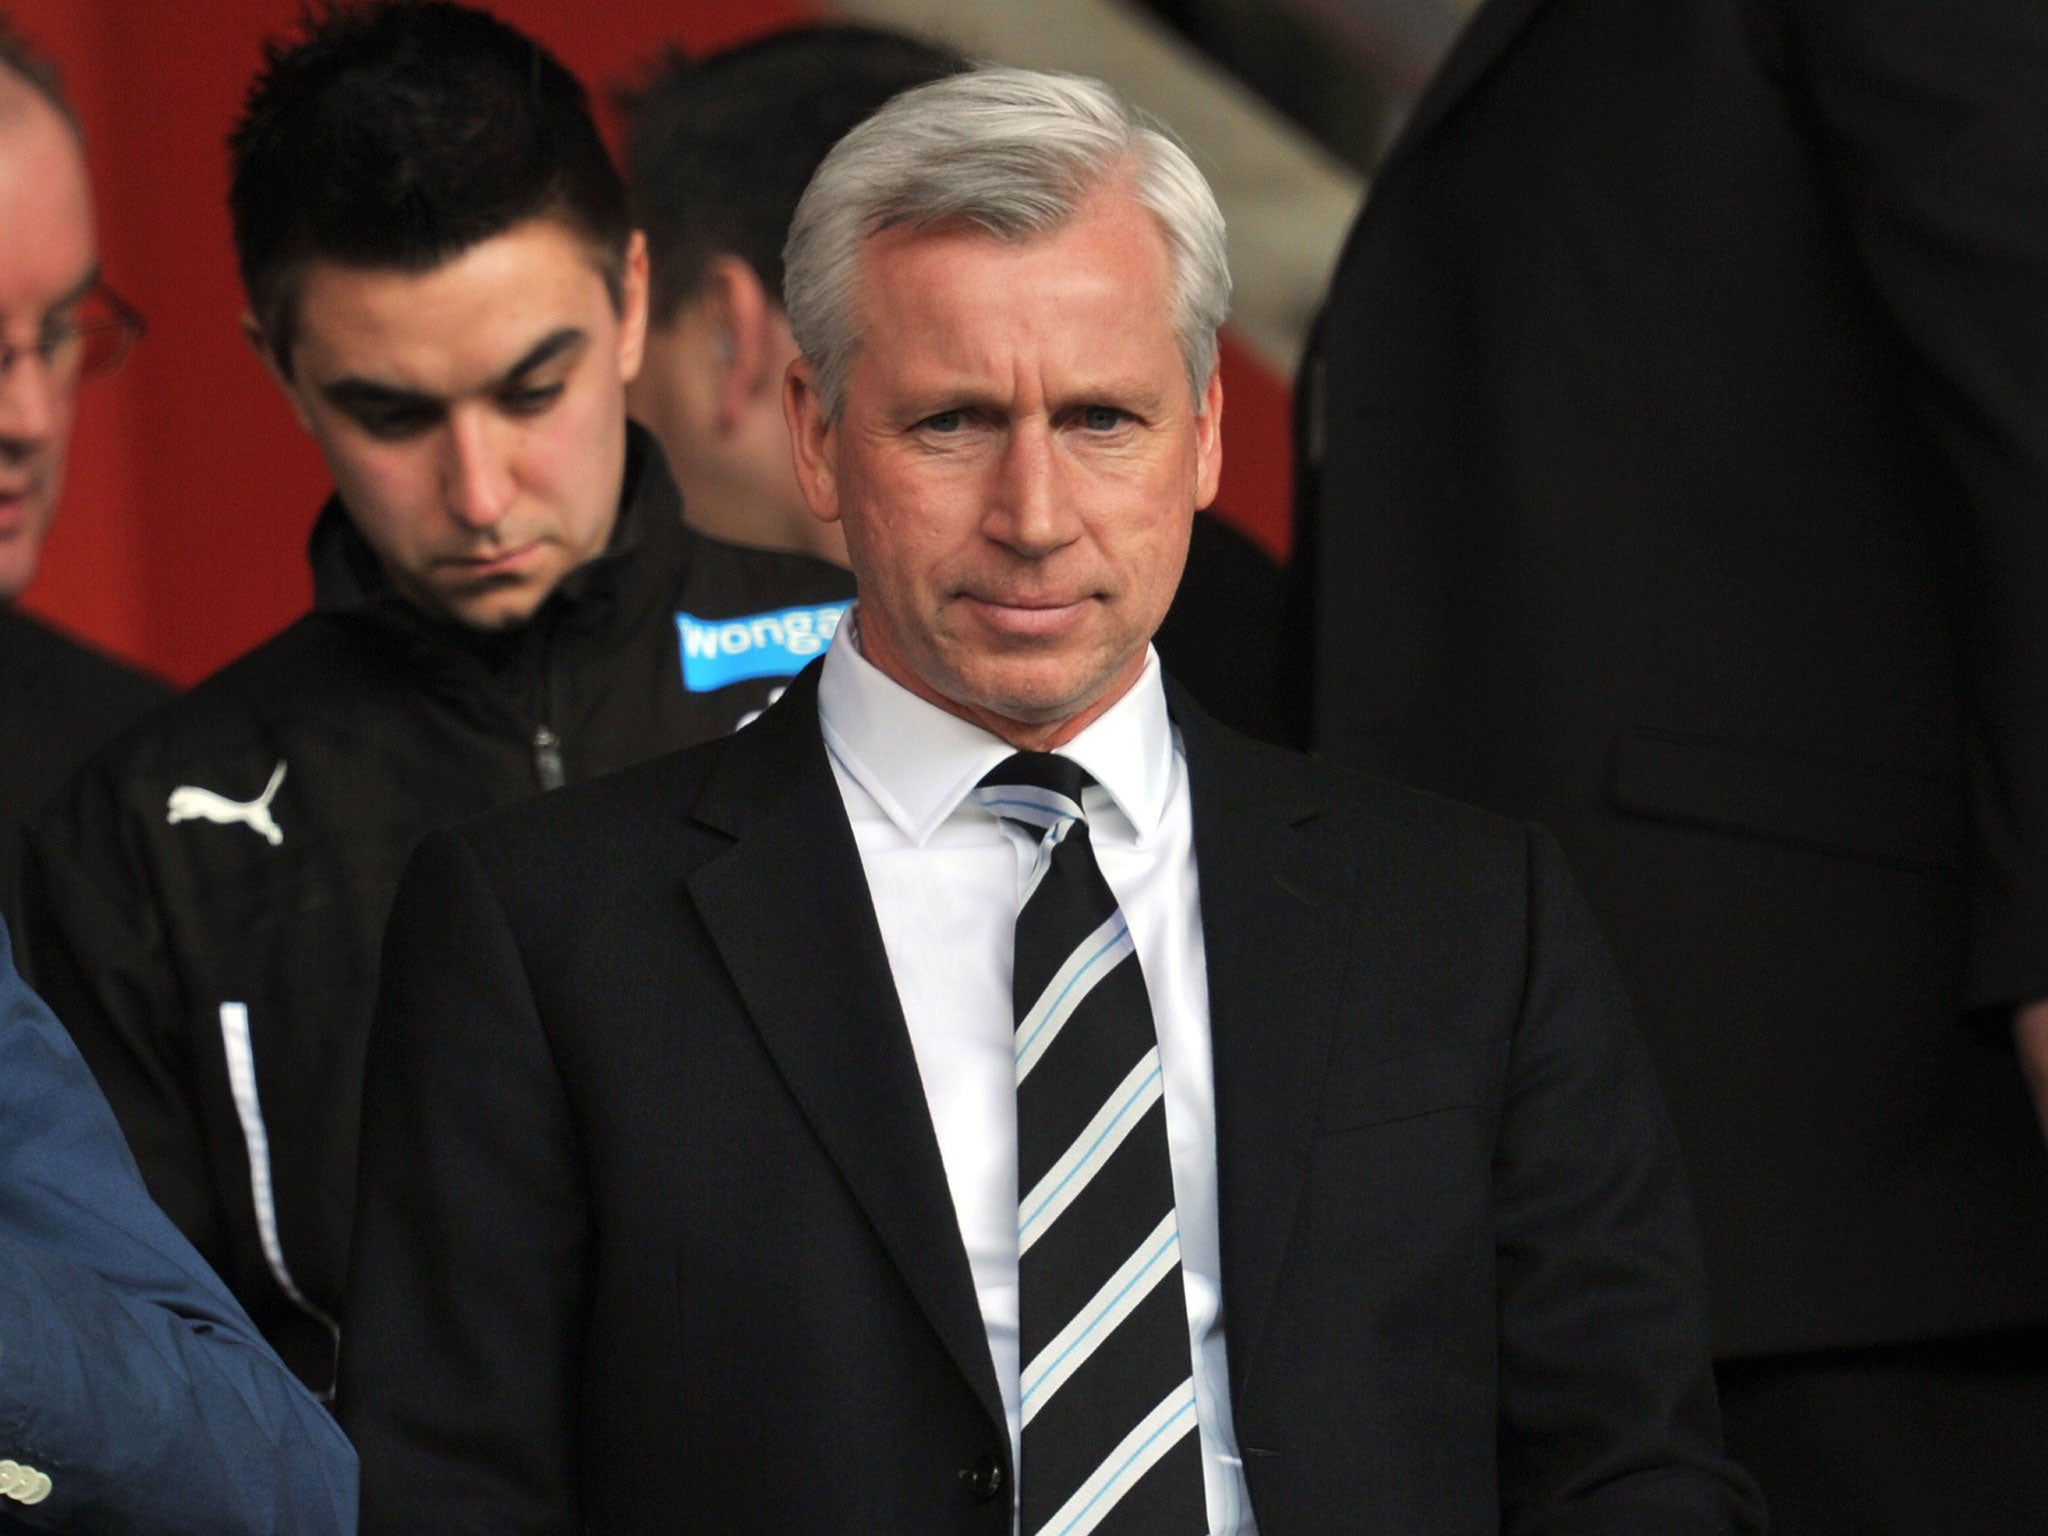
984 1480
25 1485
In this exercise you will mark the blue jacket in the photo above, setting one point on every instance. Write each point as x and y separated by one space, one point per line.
129 1379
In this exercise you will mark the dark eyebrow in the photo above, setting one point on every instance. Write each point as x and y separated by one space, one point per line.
76 292
542 352
353 394
359 395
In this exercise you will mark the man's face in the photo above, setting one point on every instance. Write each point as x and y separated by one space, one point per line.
46 268
473 416
1017 465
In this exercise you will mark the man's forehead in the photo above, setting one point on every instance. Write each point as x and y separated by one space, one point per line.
46 252
504 302
1085 287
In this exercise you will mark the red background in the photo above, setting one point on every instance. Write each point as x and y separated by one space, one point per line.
191 487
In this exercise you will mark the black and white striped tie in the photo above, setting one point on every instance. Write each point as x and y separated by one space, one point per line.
1108 1393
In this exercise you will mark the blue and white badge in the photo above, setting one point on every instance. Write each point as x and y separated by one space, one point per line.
720 652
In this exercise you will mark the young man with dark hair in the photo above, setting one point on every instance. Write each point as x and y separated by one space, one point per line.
443 280
58 327
717 154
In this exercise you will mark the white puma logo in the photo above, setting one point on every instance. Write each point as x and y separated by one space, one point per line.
191 803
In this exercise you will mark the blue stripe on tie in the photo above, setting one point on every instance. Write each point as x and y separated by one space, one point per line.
1107 1308
1082 975
996 804
1137 1452
1107 1131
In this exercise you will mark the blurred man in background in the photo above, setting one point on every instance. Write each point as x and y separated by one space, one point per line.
1678 478
717 154
442 276
59 325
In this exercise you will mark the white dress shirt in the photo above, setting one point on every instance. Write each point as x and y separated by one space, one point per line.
946 877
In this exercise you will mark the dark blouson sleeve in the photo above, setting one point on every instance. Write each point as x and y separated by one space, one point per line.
96 949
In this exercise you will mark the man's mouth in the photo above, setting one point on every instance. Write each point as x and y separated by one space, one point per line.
1027 615
483 565
15 499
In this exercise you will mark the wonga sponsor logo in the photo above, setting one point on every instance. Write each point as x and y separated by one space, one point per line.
720 652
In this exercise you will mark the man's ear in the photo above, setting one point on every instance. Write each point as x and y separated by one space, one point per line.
633 308
739 305
267 356
1209 441
813 441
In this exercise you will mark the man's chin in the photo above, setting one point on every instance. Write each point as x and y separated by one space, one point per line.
494 603
1048 704
494 618
18 557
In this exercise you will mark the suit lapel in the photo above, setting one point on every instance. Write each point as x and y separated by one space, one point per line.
788 908
1485 37
1276 919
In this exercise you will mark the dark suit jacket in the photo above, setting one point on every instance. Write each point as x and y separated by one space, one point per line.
655 1233
59 701
1679 480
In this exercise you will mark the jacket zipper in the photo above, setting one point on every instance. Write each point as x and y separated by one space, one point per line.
548 767
547 758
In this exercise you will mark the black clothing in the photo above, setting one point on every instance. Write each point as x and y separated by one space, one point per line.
176 912
1221 637
1686 490
686 1258
1683 410
1944 1435
59 701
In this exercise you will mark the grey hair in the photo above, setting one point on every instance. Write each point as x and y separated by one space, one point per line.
1013 152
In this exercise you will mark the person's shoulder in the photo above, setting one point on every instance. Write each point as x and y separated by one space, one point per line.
617 826
244 708
1458 862
1313 788
722 579
94 689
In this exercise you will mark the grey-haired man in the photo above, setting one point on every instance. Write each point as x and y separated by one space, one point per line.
872 1123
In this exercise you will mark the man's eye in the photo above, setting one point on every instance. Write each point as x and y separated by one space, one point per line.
530 401
58 331
397 421
944 423
1102 418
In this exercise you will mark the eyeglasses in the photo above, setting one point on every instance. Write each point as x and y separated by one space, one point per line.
83 341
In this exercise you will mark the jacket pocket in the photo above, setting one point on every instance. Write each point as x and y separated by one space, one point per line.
1393 1090
1853 813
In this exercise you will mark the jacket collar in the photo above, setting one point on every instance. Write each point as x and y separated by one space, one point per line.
1279 904
792 885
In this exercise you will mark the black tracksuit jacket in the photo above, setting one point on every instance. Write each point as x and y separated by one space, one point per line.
205 905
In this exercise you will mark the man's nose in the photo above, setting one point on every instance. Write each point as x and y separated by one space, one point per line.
477 483
32 401
1031 510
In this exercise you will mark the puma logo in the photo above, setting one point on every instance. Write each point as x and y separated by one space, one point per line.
191 803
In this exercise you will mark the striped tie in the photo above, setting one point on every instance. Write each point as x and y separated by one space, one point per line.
1108 1394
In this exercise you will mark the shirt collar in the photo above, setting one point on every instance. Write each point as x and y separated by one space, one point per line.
918 762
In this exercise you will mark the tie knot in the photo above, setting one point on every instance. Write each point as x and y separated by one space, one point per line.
1039 789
